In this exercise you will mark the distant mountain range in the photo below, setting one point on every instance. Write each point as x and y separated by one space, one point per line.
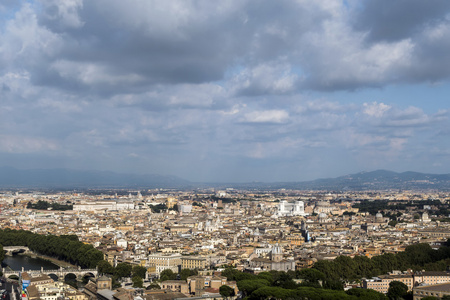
69 179
378 180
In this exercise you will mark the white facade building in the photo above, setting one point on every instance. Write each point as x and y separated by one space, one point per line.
163 261
103 205
296 208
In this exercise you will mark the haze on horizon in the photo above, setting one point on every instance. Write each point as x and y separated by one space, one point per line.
225 91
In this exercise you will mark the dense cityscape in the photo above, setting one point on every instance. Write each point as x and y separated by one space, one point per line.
204 234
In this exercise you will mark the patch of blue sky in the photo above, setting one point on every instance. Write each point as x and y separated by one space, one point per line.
429 97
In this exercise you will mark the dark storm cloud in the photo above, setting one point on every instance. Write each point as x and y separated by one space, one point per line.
387 20
192 44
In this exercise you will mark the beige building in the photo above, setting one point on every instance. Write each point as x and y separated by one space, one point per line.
437 290
198 284
175 286
42 279
163 261
104 283
191 262
54 291
431 278
381 284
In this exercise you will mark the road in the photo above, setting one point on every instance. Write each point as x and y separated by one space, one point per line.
12 288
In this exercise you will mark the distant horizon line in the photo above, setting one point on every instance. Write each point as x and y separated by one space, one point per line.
209 182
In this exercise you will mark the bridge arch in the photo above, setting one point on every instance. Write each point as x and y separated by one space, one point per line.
16 249
60 273
53 276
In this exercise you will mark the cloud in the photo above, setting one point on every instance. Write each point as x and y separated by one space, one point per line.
26 144
191 86
265 79
268 116
375 109
397 20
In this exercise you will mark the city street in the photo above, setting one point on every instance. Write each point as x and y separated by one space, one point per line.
12 290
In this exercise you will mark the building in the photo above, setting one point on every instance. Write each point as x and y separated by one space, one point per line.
175 286
437 290
431 278
198 285
296 208
274 262
381 284
54 291
104 205
104 283
163 261
185 208
192 262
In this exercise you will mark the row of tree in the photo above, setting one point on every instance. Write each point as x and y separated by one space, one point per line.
373 207
64 247
282 285
44 205
416 257
122 270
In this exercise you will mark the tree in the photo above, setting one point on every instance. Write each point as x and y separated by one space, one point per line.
397 290
2 253
137 281
310 275
366 294
249 286
167 274
105 267
266 275
185 273
392 223
139 271
226 291
122 270
230 273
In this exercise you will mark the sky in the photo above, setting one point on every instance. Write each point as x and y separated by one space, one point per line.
226 91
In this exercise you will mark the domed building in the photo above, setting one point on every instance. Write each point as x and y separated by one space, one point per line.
277 253
425 217
379 218
322 217
275 261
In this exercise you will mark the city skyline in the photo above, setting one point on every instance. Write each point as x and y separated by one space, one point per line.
228 92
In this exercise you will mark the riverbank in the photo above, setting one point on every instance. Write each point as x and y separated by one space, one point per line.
59 263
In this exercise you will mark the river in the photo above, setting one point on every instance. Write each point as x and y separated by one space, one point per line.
16 262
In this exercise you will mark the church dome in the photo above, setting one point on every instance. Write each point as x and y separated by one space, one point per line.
277 249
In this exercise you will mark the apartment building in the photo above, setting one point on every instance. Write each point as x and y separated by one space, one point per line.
381 284
191 262
163 261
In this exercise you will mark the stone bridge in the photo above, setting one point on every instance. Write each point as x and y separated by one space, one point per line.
16 249
61 273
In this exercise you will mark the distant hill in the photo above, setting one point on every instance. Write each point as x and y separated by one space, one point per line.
378 180
69 179
65 178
